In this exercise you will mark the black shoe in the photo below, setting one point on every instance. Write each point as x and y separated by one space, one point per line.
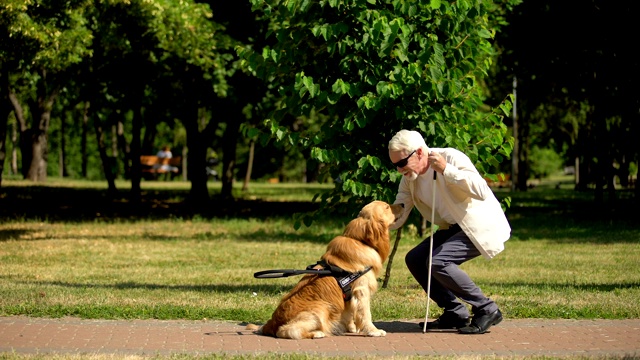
480 324
445 322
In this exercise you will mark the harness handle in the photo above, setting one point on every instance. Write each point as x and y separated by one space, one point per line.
343 277
270 274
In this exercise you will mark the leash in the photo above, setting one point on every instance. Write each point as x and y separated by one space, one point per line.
271 274
344 278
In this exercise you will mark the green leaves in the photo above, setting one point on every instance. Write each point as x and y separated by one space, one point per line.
305 84
373 68
342 88
328 31
45 36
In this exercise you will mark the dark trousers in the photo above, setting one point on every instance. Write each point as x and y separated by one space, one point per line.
449 283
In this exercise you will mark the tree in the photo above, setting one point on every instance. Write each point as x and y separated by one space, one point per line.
573 55
373 68
246 95
41 42
200 55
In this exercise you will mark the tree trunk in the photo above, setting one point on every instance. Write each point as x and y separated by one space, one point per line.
102 150
515 155
229 149
387 274
24 131
136 170
197 152
124 147
35 145
39 139
185 162
37 169
62 168
14 149
623 172
83 140
247 177
523 156
5 110
576 172
585 152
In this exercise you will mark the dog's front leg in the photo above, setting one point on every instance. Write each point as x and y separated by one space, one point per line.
362 300
348 316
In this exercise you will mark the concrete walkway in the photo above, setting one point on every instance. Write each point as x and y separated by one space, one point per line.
512 338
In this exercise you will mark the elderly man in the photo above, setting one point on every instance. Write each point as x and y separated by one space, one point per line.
470 223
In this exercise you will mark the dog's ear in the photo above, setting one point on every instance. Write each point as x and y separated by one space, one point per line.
372 232
357 229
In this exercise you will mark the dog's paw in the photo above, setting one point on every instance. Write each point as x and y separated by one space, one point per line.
377 333
318 335
351 328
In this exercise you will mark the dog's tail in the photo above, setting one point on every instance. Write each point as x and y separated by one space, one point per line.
255 328
268 329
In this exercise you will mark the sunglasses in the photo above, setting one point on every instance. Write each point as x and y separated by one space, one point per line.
403 162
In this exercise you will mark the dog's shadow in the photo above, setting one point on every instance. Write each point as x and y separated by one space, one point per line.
403 327
388 326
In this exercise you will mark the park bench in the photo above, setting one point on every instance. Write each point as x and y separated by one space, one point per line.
151 165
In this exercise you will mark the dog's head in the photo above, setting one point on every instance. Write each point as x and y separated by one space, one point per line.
372 225
381 211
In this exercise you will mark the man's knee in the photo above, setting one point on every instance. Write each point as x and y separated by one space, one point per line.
414 259
440 265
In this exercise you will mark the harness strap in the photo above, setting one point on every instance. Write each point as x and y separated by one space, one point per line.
344 278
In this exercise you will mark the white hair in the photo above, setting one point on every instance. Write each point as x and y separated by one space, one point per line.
407 140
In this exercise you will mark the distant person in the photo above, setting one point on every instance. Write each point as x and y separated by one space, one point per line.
164 155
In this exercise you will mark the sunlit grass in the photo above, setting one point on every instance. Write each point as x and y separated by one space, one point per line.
204 269
562 261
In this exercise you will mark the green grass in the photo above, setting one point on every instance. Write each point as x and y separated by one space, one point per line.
203 269
568 258
563 261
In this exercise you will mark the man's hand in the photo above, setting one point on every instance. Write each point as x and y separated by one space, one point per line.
437 162
396 225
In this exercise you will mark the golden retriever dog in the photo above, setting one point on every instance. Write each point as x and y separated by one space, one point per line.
316 306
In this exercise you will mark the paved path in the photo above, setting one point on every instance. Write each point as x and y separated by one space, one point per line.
528 337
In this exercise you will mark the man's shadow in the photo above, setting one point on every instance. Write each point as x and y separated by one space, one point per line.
406 327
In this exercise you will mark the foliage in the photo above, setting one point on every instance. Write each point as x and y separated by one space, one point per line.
42 42
588 71
544 162
44 34
184 30
373 68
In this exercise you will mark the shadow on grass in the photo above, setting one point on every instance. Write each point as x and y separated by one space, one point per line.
560 287
266 287
555 214
74 205
270 286
292 236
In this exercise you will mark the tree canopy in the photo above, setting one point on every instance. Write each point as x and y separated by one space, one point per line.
373 68
576 76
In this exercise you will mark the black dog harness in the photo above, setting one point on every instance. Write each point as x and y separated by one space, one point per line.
344 278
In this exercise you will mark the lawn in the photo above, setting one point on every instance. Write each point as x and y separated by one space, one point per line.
66 250
567 257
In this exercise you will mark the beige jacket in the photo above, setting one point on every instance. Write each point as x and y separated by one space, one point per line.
467 197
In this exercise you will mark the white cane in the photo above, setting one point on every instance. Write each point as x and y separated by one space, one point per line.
433 216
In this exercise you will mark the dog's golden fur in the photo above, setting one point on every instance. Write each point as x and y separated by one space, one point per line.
315 307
